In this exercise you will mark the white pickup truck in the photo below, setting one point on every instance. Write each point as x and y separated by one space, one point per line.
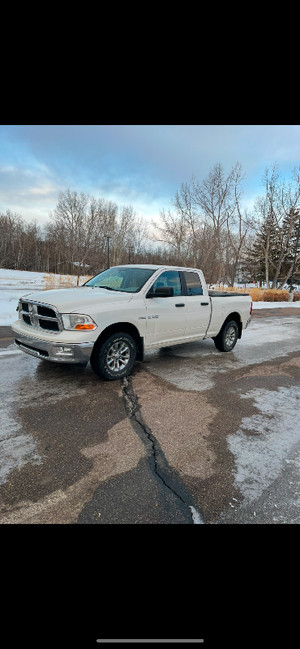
117 314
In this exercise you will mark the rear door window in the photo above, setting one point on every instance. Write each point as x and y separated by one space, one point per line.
193 284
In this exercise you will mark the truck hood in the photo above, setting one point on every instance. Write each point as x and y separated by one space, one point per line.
79 300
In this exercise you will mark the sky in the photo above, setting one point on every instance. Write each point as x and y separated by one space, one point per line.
138 165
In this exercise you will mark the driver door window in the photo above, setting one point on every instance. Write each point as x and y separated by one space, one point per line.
169 278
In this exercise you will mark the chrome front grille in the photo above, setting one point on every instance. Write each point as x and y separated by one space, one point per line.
40 316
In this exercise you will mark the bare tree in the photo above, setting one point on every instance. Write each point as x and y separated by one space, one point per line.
139 239
207 227
218 198
79 228
174 233
11 228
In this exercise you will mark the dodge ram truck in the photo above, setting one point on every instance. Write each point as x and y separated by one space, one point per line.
122 311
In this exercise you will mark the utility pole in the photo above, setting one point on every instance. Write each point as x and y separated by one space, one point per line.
130 250
108 238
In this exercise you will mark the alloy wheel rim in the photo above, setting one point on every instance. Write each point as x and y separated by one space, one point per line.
118 356
230 336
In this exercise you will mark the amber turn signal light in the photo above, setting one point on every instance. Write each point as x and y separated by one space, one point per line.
85 326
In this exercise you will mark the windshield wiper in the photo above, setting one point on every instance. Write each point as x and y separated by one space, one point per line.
108 288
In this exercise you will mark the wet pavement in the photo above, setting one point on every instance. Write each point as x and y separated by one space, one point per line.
193 436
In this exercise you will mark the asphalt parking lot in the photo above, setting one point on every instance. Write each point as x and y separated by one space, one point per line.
194 436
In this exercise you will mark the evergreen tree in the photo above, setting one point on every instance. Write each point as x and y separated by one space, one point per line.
261 259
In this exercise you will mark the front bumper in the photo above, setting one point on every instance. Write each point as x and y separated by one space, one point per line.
54 351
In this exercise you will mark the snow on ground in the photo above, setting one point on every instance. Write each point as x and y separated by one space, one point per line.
256 467
16 283
21 277
274 305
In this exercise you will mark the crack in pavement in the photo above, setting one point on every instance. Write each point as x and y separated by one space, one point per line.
161 467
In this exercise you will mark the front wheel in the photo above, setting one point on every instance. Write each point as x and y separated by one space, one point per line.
226 340
115 358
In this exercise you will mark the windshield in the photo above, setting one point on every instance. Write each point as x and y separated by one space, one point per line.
118 278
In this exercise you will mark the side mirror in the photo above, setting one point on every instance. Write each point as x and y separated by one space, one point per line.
161 291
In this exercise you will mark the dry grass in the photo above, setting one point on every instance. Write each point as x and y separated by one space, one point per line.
262 294
63 281
276 295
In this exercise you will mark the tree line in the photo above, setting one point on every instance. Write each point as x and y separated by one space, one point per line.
207 228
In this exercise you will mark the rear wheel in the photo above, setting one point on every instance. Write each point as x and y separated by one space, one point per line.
115 358
226 340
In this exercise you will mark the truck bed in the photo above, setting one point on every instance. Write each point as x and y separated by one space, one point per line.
224 294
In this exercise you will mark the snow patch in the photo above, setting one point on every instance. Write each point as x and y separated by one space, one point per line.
274 305
16 448
17 283
197 518
263 442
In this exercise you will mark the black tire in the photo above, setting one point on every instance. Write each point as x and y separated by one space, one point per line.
115 358
226 340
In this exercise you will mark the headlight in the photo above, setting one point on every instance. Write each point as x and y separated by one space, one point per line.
76 321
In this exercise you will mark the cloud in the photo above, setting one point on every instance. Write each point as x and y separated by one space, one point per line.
29 192
44 190
142 165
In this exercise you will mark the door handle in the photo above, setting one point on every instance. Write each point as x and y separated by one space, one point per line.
179 304
204 303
